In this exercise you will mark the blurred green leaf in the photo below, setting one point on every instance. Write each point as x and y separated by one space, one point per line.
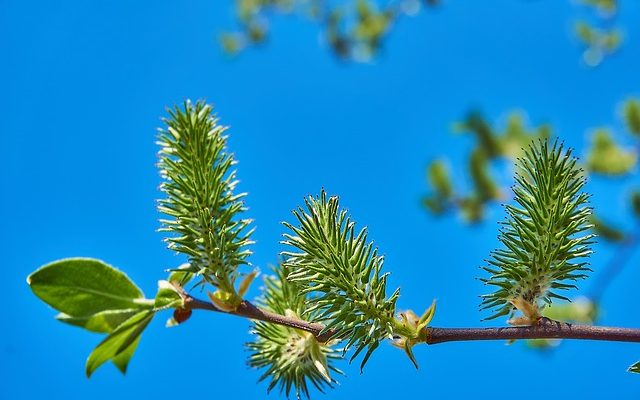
604 6
484 185
635 202
82 287
435 204
516 135
581 310
120 344
438 177
605 230
477 125
635 368
631 113
472 209
585 32
607 157
231 43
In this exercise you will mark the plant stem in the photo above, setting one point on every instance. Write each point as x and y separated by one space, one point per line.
247 310
545 329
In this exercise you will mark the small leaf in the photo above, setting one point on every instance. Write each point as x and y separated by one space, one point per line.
435 204
607 157
409 351
427 316
606 230
485 186
121 361
218 300
246 283
181 275
81 287
119 343
635 202
102 322
438 177
635 368
631 112
168 296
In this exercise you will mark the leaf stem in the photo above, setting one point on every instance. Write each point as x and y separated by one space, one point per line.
545 329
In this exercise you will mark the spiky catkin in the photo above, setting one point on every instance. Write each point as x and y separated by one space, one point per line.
343 273
291 358
199 182
544 236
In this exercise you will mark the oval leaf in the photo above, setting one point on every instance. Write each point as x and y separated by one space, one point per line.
120 344
81 287
102 322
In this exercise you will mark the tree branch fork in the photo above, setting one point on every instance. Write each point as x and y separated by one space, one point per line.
544 329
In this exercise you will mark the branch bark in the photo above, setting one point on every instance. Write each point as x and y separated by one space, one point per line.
545 329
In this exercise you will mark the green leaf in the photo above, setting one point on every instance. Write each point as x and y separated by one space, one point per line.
438 177
607 157
102 322
82 287
581 310
167 296
631 113
121 361
484 185
635 202
635 368
181 275
606 230
120 344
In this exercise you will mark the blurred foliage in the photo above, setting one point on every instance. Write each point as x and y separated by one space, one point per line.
491 145
607 231
597 33
631 115
355 29
607 157
496 144
635 202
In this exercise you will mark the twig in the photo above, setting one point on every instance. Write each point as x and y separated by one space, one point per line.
545 329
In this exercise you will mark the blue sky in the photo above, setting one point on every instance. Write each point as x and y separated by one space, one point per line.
85 83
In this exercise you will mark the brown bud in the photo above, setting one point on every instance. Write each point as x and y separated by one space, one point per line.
181 314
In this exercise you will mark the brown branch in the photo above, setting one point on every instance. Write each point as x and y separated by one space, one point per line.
248 310
546 328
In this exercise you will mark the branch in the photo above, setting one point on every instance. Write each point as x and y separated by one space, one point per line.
545 329
248 310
